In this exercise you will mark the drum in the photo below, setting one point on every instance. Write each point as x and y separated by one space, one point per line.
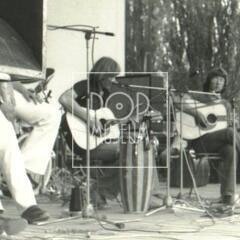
137 160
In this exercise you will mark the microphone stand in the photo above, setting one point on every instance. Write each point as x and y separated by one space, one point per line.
234 150
181 148
182 203
88 208
180 195
168 199
168 203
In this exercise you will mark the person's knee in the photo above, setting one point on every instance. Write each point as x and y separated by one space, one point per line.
227 153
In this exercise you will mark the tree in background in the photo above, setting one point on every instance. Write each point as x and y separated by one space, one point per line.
185 38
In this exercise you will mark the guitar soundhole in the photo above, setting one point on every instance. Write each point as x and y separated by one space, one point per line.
212 119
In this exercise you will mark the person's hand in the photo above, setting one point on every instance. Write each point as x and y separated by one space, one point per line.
30 95
201 120
9 111
96 127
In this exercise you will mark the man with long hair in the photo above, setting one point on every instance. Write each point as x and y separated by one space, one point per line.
219 141
74 101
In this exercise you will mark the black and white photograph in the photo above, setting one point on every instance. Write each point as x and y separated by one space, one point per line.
119 119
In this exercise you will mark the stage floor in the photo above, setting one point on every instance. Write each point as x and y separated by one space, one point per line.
168 224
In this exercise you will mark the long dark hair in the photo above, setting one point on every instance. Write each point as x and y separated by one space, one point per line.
215 72
105 67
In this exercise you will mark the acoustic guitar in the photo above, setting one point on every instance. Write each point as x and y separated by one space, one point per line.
215 114
78 128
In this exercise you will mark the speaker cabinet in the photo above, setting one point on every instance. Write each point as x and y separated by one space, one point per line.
23 27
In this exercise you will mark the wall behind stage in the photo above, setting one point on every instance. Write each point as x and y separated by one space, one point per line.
66 51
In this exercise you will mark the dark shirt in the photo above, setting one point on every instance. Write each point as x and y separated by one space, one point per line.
98 94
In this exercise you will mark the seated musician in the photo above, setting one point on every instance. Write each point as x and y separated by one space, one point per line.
74 101
11 158
219 141
44 119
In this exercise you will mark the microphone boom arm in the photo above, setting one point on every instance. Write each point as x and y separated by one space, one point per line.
54 27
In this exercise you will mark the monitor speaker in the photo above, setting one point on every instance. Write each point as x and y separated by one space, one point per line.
23 27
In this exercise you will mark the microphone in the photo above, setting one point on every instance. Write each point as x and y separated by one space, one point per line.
109 34
103 33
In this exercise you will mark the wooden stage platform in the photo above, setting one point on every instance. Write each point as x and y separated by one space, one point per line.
168 224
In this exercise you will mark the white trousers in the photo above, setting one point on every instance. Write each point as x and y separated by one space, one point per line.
45 119
35 152
12 166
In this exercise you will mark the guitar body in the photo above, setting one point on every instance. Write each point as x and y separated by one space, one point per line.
216 115
78 129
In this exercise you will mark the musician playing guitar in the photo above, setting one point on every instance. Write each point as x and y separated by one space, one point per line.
211 139
74 101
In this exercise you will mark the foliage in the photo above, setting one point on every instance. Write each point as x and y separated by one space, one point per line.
185 38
